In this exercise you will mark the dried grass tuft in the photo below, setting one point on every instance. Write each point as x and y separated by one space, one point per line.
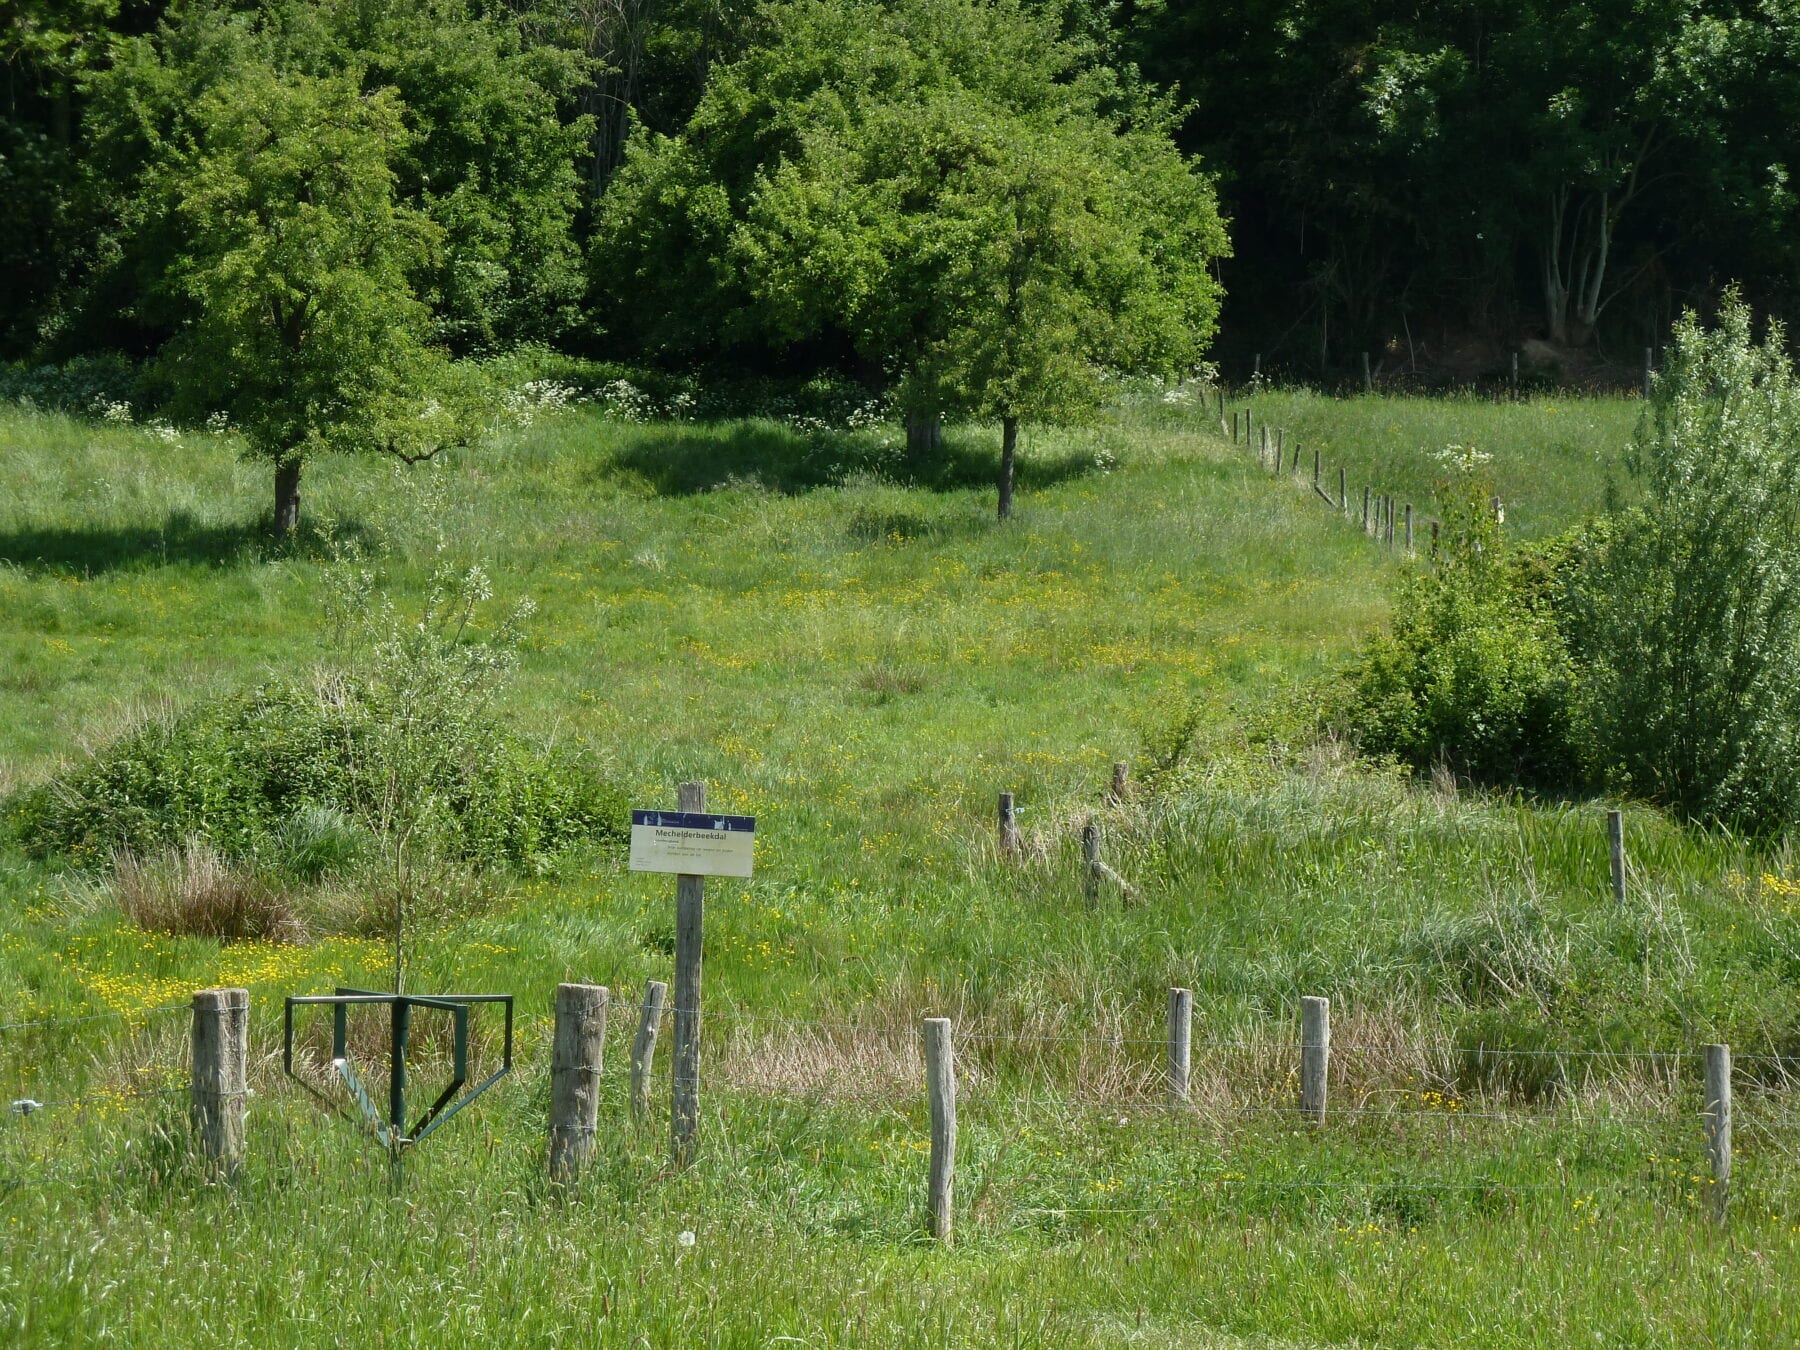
192 891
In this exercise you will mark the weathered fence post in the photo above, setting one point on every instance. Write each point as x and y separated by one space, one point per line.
1368 376
577 1052
1409 527
1280 443
1181 1041
1121 782
643 1046
1365 510
1295 466
940 1087
1718 1124
1315 1055
1515 377
219 1077
1234 428
1615 847
1315 468
690 915
1343 492
1010 846
1090 860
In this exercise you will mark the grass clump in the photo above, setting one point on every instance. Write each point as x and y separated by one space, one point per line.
193 891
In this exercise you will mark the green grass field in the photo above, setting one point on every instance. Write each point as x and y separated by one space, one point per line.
852 650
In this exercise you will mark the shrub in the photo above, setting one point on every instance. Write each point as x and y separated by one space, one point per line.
1687 617
1474 672
295 778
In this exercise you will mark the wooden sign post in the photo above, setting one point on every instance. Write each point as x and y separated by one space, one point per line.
694 846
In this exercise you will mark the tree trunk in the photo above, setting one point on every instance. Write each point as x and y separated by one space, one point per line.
924 434
1009 450
287 496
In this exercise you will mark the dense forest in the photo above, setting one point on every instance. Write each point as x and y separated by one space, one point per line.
796 184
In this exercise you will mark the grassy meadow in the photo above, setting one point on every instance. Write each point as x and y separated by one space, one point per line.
847 646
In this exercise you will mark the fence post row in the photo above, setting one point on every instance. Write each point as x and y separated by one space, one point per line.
1315 1055
940 1087
577 1054
1718 1124
690 915
643 1046
1181 1040
219 1076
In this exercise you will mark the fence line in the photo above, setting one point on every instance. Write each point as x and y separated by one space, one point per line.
93 1017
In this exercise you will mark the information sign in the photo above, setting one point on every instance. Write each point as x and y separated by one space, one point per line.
694 843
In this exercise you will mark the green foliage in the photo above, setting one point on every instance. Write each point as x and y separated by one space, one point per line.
295 776
987 215
297 266
1474 672
1688 612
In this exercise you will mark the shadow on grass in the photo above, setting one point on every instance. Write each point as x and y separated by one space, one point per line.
93 550
776 459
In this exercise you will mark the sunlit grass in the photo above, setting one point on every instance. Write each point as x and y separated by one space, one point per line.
848 647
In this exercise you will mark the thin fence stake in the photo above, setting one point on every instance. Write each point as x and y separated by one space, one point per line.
1295 466
1365 510
1515 377
577 1053
219 1076
1280 441
1181 1036
1090 860
1409 527
1615 847
690 919
643 1046
1718 1124
1234 428
1343 492
1315 1055
1315 467
1010 846
1368 376
940 1087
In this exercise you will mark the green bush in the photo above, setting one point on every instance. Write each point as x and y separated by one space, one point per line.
1687 616
1474 672
292 776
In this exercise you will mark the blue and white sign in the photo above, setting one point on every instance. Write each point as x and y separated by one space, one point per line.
693 843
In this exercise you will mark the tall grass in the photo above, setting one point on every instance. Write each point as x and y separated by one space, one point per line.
847 646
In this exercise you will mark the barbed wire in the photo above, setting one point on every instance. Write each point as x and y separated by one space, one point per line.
95 1017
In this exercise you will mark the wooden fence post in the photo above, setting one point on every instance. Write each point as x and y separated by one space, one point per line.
1121 782
1315 1055
690 915
1615 847
1280 442
1234 428
1409 527
1365 510
940 1087
1090 860
1315 468
1295 466
577 1052
643 1046
219 1076
1262 449
1515 377
1010 846
1368 376
1181 1041
1718 1124
1343 492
